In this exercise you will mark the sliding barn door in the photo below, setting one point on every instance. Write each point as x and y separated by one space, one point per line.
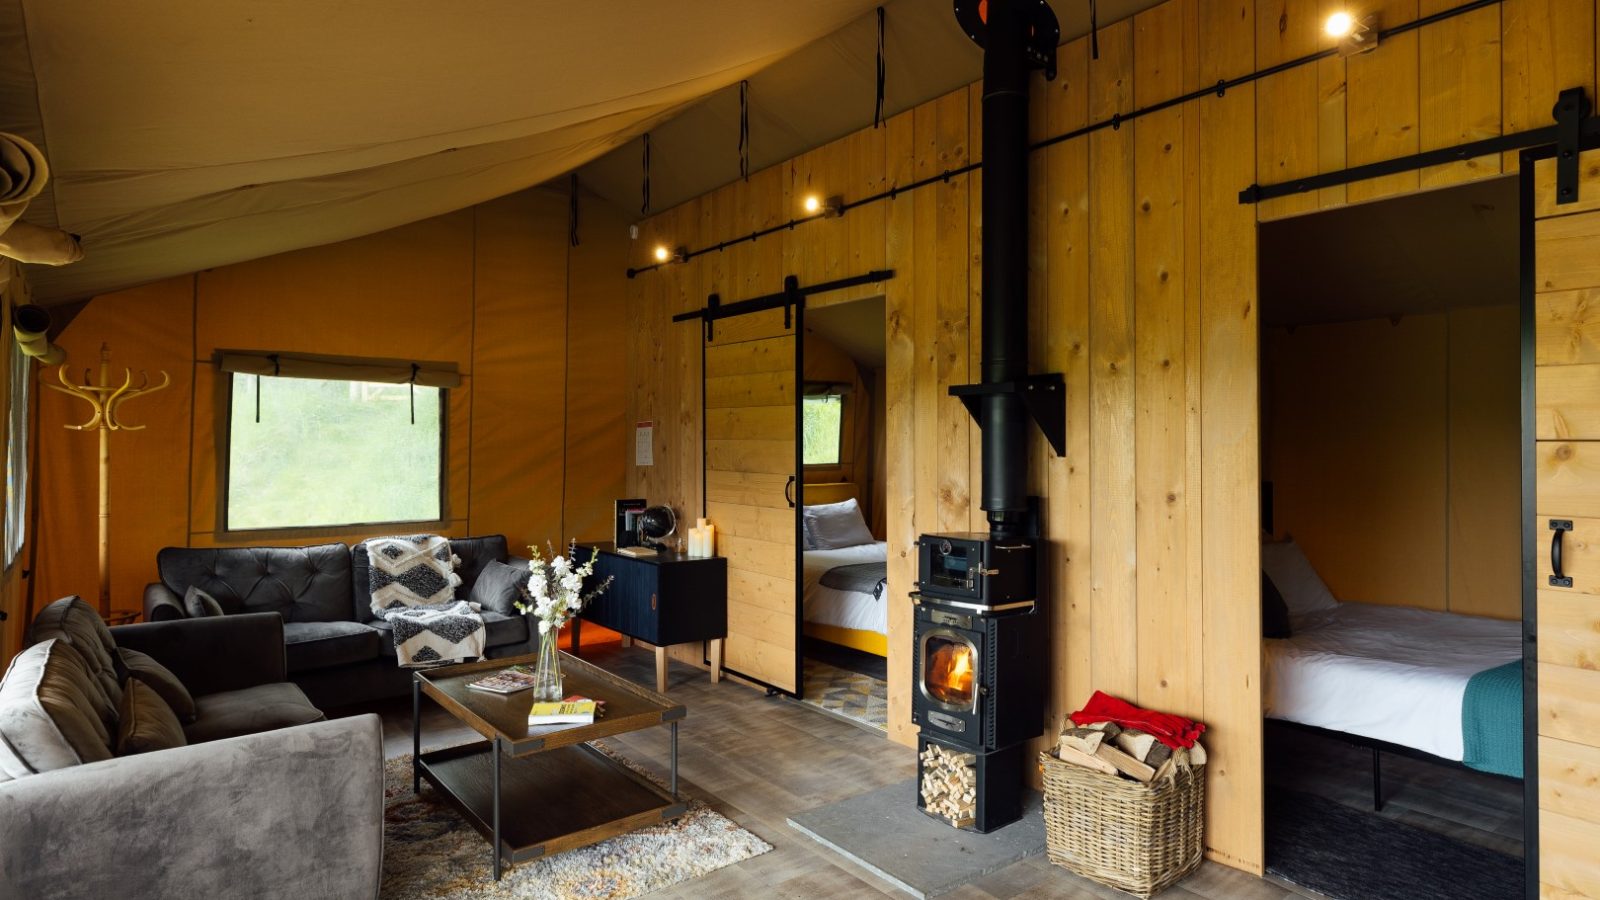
1565 241
751 454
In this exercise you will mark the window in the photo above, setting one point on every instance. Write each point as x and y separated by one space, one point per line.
332 452
823 417
16 524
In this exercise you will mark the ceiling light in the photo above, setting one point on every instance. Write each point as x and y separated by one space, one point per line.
827 208
1354 34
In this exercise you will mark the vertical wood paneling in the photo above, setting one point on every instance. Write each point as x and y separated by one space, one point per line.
1067 351
1459 86
899 417
1229 496
1383 107
1287 103
1547 46
1168 655
1332 94
1114 610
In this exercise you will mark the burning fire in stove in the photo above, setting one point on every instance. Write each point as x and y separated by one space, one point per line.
950 673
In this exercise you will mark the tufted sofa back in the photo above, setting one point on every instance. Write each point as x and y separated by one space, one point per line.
302 584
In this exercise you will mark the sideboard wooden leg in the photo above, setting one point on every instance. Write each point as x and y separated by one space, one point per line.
716 660
661 670
627 641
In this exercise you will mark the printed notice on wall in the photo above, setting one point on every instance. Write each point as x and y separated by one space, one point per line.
644 444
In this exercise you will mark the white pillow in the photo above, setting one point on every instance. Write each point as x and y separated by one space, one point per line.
834 526
1302 588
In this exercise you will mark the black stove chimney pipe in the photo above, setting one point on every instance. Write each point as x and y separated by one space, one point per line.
1003 418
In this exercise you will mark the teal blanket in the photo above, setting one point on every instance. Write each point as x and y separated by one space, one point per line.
1491 720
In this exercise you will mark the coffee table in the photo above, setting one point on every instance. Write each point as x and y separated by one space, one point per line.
533 791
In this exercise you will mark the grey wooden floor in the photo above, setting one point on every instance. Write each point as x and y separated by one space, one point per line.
759 760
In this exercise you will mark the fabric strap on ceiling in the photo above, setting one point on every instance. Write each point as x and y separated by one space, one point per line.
644 192
1094 33
572 210
744 130
378 371
877 110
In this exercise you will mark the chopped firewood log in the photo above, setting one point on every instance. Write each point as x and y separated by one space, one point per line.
949 786
1088 761
1111 729
1158 755
1136 744
1125 763
1197 755
1167 770
1086 739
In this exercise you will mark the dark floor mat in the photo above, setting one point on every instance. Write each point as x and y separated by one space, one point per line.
1348 854
848 658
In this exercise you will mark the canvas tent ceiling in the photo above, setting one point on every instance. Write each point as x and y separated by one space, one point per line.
184 135
187 135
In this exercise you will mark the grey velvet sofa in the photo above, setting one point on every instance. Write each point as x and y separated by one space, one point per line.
337 652
265 798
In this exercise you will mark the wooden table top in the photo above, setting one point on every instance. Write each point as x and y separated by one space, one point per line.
628 707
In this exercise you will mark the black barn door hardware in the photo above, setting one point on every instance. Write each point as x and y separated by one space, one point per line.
1573 125
1558 577
792 295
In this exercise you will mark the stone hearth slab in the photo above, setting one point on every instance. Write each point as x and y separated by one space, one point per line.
883 831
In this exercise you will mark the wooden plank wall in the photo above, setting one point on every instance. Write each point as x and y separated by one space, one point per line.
1143 270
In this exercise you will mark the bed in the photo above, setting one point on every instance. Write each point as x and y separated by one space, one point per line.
1440 684
851 609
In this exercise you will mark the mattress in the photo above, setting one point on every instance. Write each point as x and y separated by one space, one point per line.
1390 673
844 609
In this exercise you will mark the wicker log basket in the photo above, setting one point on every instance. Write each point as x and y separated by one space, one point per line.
1140 838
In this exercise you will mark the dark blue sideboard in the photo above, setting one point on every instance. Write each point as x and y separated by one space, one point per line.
665 599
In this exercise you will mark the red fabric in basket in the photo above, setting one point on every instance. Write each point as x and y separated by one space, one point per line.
1174 731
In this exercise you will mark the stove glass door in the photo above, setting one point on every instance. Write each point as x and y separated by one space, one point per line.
949 670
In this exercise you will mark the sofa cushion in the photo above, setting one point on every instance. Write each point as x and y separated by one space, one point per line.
249 711
147 722
302 584
499 630
499 587
322 645
474 552
143 667
198 604
46 718
76 622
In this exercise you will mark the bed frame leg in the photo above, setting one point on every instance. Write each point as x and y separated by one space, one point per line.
1377 781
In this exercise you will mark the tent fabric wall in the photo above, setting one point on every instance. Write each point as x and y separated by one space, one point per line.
484 290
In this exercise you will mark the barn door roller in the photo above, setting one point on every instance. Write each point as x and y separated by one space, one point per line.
792 296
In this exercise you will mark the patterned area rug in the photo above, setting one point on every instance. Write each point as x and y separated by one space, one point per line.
430 851
857 697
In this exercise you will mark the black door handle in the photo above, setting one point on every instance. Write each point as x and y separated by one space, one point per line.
1558 527
788 492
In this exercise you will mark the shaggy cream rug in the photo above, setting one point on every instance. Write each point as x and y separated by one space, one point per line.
430 851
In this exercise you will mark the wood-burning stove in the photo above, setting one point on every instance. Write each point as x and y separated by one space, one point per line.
979 677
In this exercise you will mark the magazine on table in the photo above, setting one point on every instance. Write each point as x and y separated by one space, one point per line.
506 681
565 712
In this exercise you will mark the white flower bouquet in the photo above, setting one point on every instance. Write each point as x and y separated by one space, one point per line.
555 589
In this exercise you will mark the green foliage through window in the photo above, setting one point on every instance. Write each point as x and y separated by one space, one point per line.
333 453
823 416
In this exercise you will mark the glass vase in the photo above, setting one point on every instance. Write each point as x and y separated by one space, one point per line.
547 675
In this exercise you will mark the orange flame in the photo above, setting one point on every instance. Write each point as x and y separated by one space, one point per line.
950 674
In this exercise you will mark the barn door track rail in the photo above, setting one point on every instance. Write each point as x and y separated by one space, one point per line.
1573 123
792 296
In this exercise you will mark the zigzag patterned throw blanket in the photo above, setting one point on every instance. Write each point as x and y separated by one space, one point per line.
413 589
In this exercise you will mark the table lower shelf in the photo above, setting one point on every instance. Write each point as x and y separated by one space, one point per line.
550 802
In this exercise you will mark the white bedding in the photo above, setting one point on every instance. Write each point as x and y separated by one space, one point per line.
1385 672
844 609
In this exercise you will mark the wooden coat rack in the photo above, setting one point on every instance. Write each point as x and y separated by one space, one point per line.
105 404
